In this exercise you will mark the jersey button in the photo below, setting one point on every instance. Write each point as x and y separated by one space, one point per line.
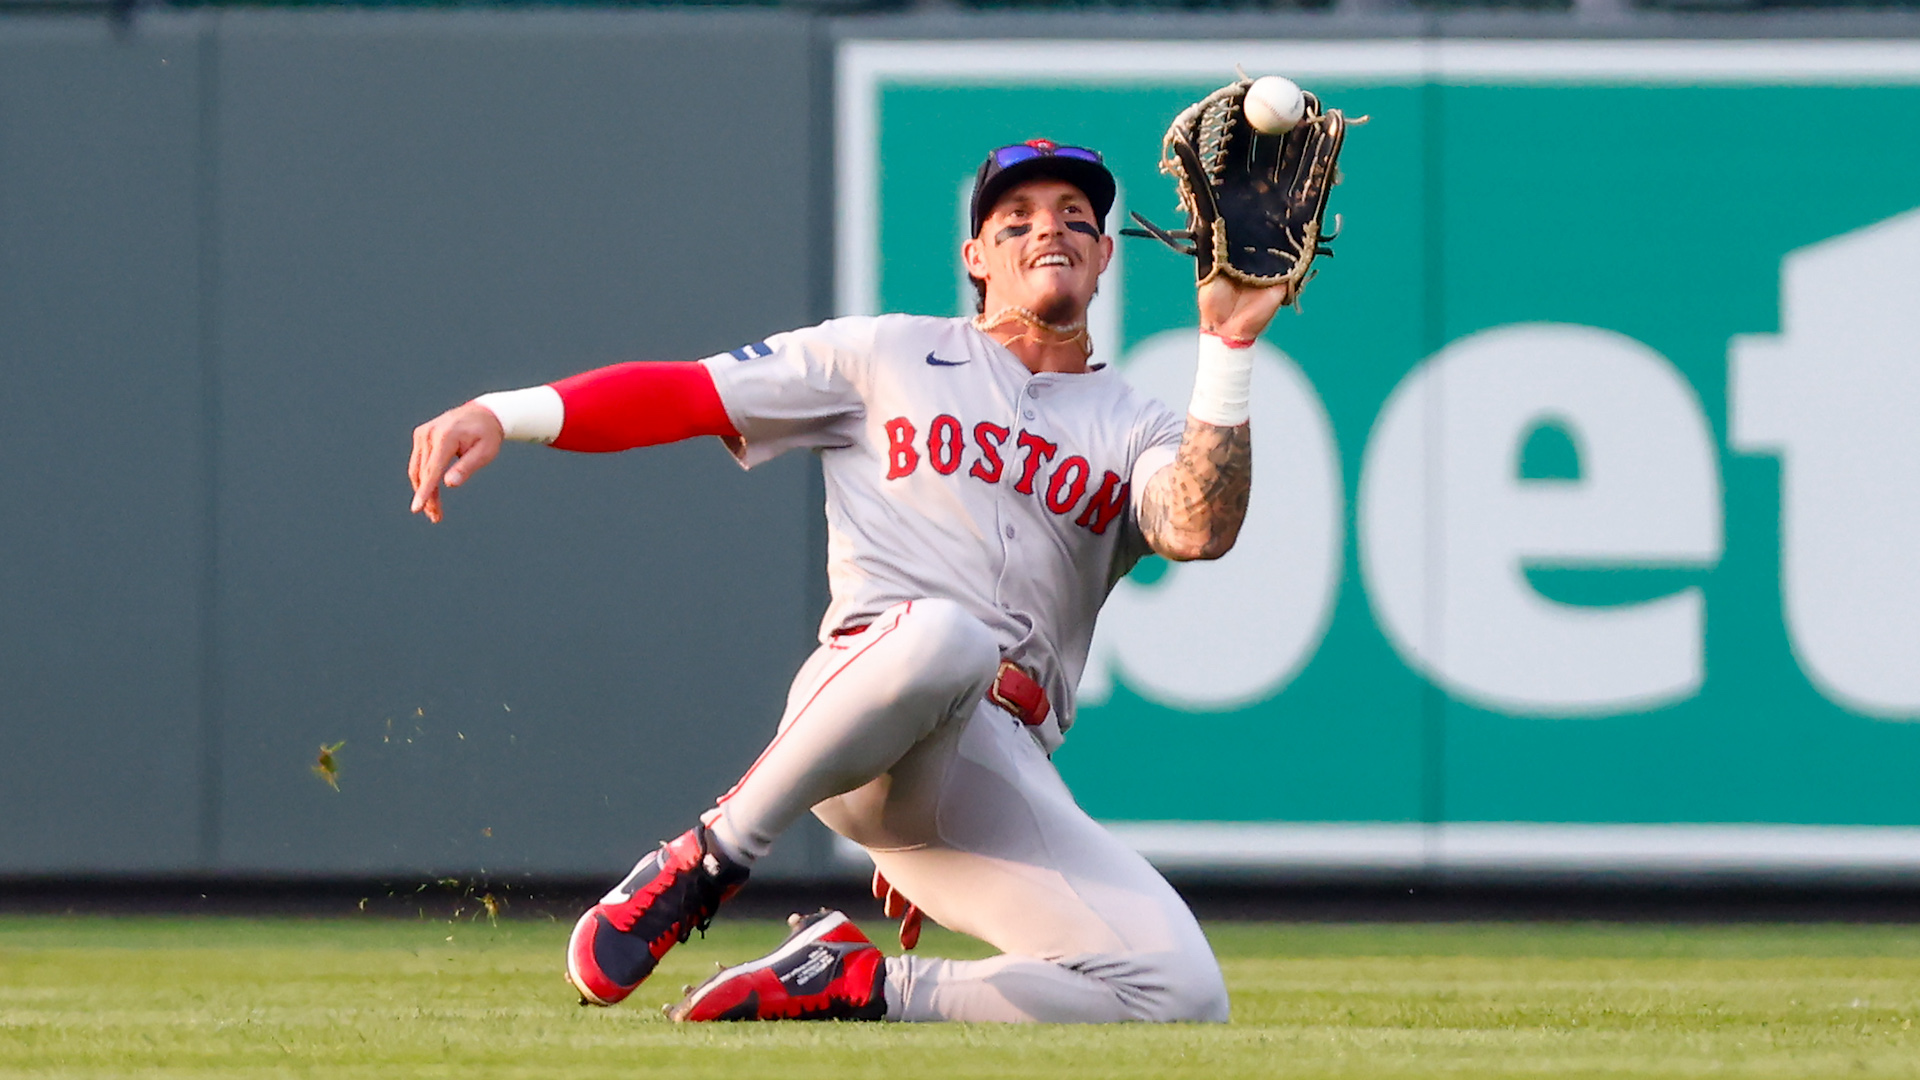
1009 532
1028 414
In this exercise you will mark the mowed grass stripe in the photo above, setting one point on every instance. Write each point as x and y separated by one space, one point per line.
95 996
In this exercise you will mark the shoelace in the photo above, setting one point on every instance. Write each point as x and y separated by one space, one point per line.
701 901
701 893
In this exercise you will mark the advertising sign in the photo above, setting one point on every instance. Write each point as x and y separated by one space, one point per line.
1586 519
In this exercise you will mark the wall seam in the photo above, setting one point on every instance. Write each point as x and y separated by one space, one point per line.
207 230
821 91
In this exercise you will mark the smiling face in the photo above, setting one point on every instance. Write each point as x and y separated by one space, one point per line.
1040 249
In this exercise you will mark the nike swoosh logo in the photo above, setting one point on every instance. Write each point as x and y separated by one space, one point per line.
937 362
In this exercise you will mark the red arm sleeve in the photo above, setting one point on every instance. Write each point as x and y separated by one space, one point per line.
640 404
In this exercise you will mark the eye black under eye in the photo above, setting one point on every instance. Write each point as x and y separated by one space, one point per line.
1084 227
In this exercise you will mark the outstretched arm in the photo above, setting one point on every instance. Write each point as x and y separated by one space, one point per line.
614 408
1193 508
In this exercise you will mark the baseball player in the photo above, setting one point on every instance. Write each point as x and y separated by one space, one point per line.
986 486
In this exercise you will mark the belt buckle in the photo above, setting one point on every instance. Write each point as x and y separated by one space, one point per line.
1020 694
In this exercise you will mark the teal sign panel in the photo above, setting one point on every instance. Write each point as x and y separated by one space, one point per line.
1587 499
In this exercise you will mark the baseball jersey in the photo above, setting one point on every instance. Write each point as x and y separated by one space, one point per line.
953 471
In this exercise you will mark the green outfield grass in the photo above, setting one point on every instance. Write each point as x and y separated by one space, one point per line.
378 997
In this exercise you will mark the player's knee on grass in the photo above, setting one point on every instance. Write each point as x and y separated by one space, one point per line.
1190 990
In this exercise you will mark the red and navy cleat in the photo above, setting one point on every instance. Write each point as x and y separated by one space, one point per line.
670 894
825 970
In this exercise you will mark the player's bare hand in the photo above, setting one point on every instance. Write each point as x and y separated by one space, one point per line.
1233 310
448 449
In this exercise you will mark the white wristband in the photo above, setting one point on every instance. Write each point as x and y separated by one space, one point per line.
1222 383
532 415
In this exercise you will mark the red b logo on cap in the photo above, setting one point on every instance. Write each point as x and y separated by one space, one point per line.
1045 145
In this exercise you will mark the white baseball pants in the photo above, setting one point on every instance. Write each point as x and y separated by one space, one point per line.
888 738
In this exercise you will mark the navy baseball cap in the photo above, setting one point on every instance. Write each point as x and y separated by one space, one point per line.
1036 159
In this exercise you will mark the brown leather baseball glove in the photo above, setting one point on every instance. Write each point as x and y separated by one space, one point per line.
1256 204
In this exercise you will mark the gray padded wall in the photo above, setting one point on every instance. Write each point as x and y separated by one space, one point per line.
402 211
103 503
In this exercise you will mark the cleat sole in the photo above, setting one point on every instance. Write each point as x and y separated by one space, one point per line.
808 930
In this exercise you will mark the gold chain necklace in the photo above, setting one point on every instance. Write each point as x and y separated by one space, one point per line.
1055 333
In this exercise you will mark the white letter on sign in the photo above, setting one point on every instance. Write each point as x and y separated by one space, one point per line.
1448 528
1211 636
1837 395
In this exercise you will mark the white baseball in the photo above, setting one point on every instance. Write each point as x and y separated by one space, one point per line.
1274 105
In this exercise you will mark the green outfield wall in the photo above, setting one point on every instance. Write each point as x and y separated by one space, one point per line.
1586 524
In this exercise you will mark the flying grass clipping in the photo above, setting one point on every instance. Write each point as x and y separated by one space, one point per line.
325 767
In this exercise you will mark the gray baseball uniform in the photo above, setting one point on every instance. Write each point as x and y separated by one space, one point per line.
976 512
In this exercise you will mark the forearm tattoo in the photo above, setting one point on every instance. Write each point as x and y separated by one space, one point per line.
1193 508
